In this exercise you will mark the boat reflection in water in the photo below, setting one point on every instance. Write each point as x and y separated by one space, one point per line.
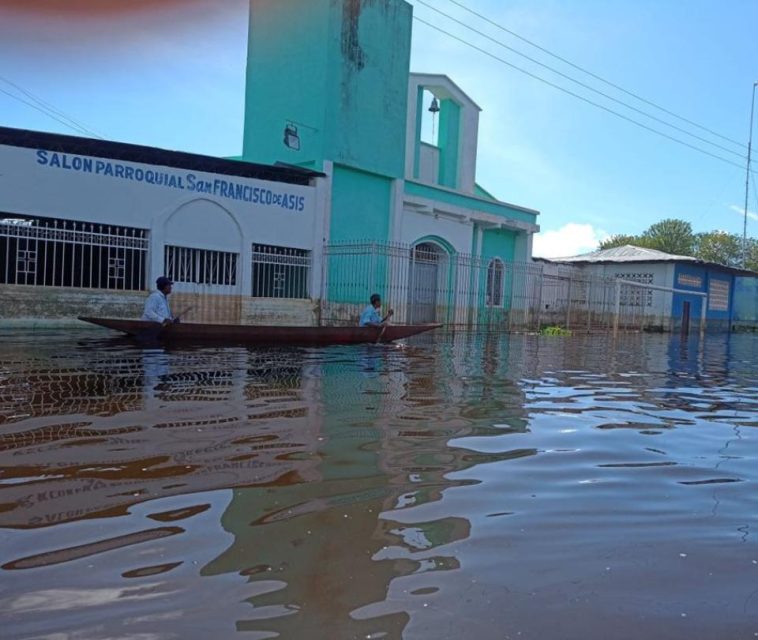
305 458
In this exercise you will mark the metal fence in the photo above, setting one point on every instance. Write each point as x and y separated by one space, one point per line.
280 272
424 283
200 266
68 253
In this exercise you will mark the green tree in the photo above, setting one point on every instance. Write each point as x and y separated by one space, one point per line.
620 240
675 236
751 254
720 247
670 236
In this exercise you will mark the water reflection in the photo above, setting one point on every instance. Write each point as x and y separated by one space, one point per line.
453 487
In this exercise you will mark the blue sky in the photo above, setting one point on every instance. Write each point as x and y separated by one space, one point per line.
176 80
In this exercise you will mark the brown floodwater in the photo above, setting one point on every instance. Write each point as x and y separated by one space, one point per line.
485 487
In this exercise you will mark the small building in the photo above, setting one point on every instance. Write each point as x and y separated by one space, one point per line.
661 290
86 227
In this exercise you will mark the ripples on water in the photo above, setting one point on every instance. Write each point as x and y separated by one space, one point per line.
467 487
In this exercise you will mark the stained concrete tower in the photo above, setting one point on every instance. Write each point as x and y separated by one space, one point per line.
337 71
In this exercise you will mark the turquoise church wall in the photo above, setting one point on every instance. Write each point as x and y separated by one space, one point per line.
417 133
287 77
449 142
361 202
497 243
468 202
337 66
370 84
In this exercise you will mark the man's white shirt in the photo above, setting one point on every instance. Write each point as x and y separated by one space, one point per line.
156 308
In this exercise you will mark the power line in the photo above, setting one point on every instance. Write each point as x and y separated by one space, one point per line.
594 75
576 95
47 113
727 183
579 82
48 109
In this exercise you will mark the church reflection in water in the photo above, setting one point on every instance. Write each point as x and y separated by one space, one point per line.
331 459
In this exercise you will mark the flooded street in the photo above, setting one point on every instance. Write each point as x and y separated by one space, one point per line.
486 487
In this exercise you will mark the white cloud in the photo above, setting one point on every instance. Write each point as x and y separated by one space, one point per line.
741 211
570 240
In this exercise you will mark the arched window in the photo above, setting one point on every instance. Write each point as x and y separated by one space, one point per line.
495 273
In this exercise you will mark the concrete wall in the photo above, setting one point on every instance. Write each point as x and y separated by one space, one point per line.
428 163
746 303
702 279
499 243
338 67
42 307
277 311
361 206
48 307
417 225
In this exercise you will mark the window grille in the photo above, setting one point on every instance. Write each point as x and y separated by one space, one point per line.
200 266
280 272
495 272
636 296
68 253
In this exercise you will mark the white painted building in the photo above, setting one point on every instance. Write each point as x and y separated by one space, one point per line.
681 288
86 218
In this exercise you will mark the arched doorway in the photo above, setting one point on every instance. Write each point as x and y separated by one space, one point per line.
202 254
426 274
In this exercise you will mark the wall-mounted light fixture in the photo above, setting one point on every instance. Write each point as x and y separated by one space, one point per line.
291 137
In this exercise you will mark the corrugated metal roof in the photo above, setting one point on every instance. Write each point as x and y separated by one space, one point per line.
631 254
627 253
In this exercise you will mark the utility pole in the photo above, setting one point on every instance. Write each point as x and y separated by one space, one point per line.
747 180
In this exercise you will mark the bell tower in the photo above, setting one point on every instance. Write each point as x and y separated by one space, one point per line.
327 80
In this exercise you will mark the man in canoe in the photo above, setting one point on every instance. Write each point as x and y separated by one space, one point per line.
156 305
371 317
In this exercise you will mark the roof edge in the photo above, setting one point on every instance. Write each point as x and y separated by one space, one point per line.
128 152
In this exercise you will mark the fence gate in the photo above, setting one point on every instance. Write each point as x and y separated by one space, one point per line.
425 272
206 282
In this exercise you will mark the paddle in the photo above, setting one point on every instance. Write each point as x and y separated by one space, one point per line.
182 312
390 313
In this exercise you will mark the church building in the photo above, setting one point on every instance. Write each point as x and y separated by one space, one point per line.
356 176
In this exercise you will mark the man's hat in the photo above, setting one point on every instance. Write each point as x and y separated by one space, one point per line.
163 281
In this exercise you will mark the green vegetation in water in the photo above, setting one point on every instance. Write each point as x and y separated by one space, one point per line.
554 331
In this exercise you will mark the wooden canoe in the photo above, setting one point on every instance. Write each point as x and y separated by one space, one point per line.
269 335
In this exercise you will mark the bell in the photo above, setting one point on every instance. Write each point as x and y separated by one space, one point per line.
435 106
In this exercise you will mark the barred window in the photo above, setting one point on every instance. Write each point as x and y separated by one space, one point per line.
495 272
636 296
67 253
718 295
280 272
200 266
